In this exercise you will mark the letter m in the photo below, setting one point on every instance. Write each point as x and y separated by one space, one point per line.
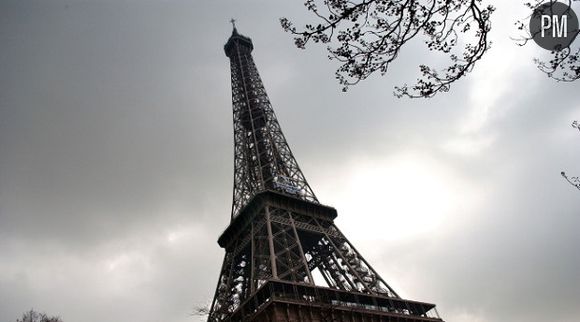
559 27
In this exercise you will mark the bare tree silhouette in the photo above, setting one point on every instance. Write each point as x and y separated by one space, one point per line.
563 65
366 36
201 311
33 316
574 181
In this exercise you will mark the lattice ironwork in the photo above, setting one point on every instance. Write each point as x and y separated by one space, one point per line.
282 245
262 158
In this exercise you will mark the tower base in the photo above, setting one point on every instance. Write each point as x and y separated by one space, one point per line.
278 301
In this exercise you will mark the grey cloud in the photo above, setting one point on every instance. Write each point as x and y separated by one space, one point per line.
116 162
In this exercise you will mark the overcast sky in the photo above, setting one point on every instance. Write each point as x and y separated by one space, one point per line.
116 163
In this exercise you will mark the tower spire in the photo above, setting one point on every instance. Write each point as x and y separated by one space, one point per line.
262 157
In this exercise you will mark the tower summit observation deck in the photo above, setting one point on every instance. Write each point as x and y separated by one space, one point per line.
285 258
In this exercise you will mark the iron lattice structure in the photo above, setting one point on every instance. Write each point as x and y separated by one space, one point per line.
285 258
262 157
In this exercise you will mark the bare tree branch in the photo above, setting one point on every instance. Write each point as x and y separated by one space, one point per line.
201 311
563 65
574 181
367 36
33 316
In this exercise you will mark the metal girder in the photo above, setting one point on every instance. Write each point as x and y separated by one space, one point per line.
280 235
286 245
262 158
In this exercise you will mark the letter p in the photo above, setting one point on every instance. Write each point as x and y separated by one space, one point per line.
546 24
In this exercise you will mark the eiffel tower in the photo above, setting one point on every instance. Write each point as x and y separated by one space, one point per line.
285 258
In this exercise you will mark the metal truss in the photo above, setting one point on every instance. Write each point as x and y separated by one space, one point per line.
262 158
280 237
286 245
